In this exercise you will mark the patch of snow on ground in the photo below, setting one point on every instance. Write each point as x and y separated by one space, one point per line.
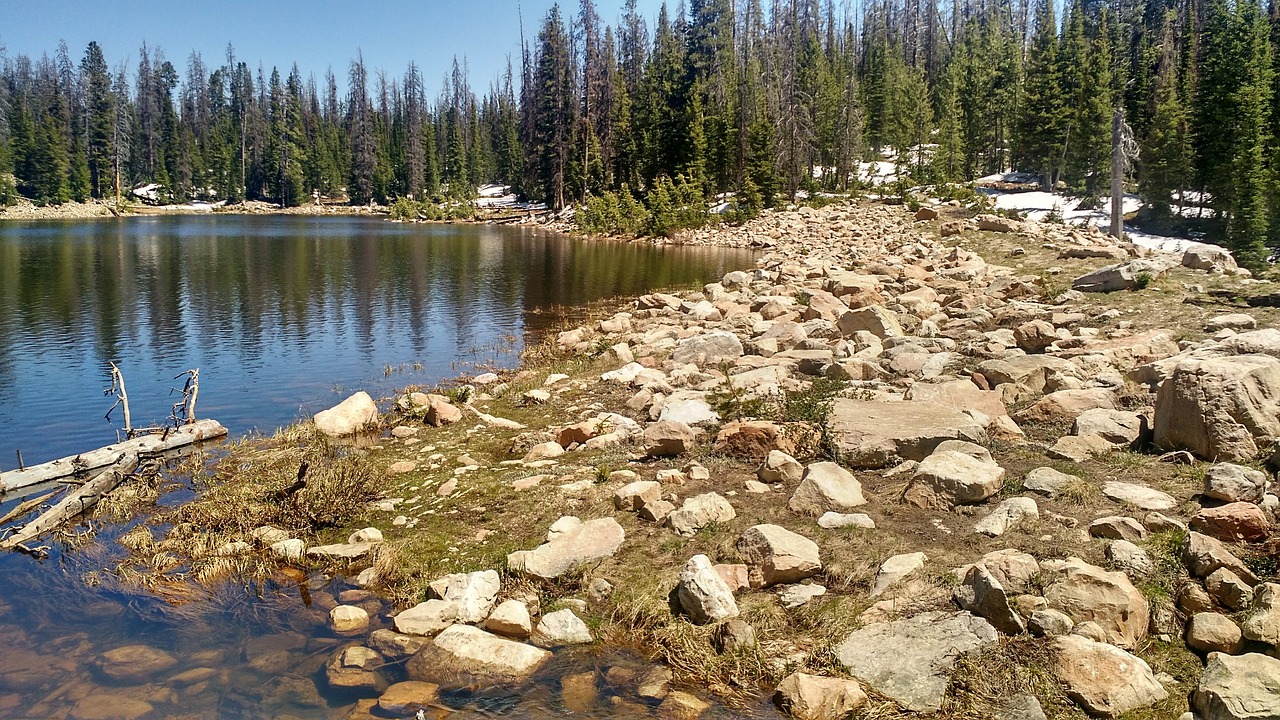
1039 205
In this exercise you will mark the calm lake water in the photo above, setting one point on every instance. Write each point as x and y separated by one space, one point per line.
283 316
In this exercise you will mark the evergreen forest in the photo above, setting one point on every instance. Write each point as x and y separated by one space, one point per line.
762 99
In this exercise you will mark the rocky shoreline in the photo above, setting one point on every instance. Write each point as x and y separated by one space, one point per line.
900 466
25 210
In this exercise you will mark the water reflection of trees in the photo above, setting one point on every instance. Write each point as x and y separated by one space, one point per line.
273 299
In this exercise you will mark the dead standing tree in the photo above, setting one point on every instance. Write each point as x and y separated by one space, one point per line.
184 412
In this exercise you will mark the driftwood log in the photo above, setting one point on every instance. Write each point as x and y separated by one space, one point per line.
86 463
76 503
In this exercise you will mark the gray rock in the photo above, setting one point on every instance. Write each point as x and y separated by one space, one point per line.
427 618
910 660
559 629
1130 558
585 543
1047 481
1019 707
873 319
1049 623
1245 687
1006 515
394 645
1235 483
1104 679
1131 275
698 512
703 593
1263 623
777 555
733 636
826 487
708 349
793 596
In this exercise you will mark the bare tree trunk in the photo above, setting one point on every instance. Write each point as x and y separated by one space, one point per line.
1117 175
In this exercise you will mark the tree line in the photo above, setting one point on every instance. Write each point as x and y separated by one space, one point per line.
719 96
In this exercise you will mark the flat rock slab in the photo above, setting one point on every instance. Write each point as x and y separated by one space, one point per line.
463 654
1139 496
590 541
911 660
877 433
342 551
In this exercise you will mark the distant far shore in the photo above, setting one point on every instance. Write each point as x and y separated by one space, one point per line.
26 210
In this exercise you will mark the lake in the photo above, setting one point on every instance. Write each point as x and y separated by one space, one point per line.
283 315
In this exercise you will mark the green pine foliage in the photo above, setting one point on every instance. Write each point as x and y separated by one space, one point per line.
759 101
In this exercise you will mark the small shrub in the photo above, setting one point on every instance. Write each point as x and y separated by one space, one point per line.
1143 280
405 209
8 190
613 214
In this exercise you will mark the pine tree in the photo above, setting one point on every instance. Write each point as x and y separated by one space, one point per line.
360 130
1248 225
1044 114
101 121
553 110
1165 159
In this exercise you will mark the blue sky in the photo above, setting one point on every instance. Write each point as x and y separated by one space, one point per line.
314 34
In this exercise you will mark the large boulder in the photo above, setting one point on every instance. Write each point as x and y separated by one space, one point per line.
1086 592
949 477
826 487
464 654
958 395
910 660
1131 275
1202 256
776 555
1219 408
581 544
873 319
1244 687
877 433
1104 679
347 417
708 349
703 594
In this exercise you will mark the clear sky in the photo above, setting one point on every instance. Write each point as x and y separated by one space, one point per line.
315 35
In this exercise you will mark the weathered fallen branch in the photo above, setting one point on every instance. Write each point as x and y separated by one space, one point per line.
84 463
27 506
75 503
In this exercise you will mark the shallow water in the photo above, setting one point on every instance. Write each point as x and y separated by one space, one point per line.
283 315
